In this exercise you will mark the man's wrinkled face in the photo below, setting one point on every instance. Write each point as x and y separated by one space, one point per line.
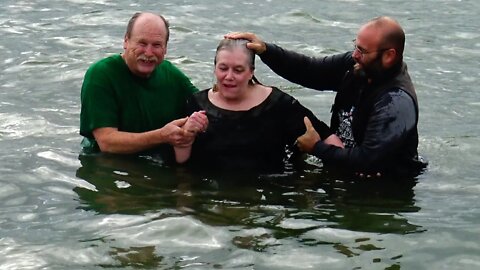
146 47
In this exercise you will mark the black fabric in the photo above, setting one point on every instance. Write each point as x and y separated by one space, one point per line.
399 80
253 139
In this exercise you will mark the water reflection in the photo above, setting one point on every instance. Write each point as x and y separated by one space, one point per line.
289 203
203 210
137 256
126 184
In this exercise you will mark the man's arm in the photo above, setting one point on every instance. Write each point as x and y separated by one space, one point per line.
388 127
320 73
179 133
111 140
196 123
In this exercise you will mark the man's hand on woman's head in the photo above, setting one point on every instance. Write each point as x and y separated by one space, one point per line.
255 44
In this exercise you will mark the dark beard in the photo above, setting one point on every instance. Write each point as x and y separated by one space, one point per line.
373 72
359 72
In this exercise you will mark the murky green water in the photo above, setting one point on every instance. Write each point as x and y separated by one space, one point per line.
59 212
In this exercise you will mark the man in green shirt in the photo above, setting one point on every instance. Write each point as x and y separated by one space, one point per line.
132 102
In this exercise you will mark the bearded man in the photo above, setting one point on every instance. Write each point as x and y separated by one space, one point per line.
375 112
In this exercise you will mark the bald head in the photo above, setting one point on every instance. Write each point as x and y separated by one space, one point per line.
145 43
146 16
390 33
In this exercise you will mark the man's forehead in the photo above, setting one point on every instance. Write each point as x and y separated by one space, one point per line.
368 35
148 21
150 31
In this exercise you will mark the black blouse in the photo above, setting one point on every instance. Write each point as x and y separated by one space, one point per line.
253 139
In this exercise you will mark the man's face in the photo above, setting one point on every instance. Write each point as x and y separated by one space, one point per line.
146 47
367 53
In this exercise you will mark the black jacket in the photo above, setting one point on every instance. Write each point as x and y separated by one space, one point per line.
383 115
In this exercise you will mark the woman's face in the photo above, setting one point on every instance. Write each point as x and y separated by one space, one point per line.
233 72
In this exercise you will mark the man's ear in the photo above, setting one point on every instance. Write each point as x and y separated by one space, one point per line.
389 57
125 41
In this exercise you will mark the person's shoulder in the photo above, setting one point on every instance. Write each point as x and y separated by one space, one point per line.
397 93
170 68
111 59
280 98
105 67
168 65
396 99
278 91
202 93
280 94
200 98
107 62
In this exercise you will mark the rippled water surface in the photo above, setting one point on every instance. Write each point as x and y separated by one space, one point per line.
59 211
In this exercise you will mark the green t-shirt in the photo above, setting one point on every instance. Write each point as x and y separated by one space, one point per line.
112 96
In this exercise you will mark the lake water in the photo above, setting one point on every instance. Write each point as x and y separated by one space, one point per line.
59 212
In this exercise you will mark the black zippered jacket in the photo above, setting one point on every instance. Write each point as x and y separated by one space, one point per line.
384 112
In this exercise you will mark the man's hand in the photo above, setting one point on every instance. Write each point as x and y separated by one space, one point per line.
255 44
176 135
307 141
182 132
197 122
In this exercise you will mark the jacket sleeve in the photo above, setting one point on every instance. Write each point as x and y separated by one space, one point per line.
322 73
389 125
